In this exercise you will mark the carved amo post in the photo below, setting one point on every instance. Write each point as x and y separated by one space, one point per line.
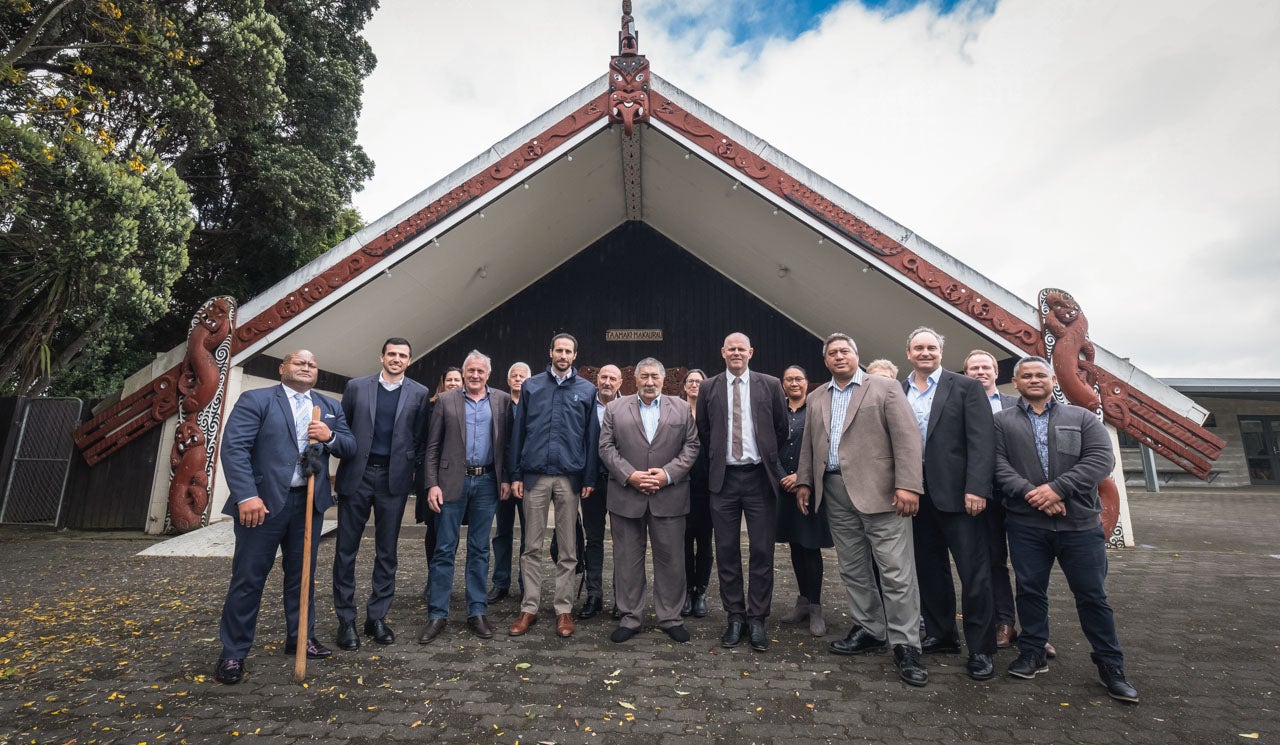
202 386
1065 334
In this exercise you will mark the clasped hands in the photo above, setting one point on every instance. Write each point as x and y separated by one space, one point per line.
1045 499
647 482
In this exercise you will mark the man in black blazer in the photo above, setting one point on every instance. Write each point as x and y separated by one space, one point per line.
465 475
954 417
387 414
266 432
1050 458
742 416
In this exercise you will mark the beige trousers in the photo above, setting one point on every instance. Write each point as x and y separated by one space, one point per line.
537 501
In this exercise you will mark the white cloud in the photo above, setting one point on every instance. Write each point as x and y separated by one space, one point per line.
1127 152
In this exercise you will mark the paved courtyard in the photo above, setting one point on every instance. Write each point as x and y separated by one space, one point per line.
98 645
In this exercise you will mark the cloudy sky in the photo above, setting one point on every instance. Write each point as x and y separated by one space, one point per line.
1128 152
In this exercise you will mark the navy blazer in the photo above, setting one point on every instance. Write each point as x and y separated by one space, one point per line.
260 449
959 446
408 435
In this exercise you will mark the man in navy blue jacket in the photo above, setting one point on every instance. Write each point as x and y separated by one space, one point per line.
266 432
553 458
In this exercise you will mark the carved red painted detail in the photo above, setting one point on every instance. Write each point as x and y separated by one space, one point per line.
1190 446
152 404
628 78
1066 344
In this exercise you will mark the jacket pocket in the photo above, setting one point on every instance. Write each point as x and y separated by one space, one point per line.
444 463
1067 440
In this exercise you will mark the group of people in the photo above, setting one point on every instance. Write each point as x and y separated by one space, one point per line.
901 478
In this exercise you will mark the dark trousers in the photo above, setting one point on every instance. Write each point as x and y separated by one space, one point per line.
594 510
746 491
373 496
1082 555
937 533
255 554
503 536
998 560
807 563
698 544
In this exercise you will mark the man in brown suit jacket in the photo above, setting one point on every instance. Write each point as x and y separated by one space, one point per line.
648 442
465 475
861 454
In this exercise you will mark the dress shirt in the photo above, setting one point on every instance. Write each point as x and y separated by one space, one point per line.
600 411
1040 428
389 386
301 404
839 409
560 380
996 406
479 430
750 453
922 401
649 420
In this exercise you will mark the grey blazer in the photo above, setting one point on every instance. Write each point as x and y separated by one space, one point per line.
624 450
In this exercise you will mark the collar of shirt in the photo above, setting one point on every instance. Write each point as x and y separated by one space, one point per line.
643 405
292 394
933 378
858 377
468 397
730 377
389 385
1022 403
559 380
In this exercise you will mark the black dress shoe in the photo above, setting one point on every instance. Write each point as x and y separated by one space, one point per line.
758 637
859 641
479 626
732 634
229 671
686 610
981 667
910 668
678 634
347 638
591 608
315 650
617 614
937 645
432 630
379 630
1028 665
497 593
622 634
700 602
1117 685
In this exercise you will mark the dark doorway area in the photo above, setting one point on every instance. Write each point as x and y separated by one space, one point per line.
1261 436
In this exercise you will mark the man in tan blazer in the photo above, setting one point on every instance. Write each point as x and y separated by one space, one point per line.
861 455
648 442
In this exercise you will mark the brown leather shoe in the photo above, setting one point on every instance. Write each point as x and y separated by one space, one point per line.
432 630
1049 651
522 624
564 624
1005 636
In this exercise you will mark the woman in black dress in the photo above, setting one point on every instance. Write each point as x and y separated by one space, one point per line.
698 548
807 534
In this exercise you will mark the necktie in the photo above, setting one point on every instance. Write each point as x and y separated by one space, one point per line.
737 419
301 418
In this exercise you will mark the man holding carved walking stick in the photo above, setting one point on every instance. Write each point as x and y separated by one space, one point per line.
266 433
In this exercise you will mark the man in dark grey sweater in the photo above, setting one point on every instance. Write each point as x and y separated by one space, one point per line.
1050 458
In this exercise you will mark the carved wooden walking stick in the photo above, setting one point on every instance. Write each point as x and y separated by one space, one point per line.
304 607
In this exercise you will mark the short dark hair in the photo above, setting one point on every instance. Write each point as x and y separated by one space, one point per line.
1029 359
838 337
397 340
795 367
562 335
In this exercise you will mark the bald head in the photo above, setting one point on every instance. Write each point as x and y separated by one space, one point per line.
737 353
608 381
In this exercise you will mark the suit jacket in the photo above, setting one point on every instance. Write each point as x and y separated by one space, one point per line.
447 444
959 448
260 449
768 415
360 405
624 450
1080 457
1007 402
879 447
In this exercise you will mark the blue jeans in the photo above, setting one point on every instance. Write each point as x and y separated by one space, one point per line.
1082 555
478 501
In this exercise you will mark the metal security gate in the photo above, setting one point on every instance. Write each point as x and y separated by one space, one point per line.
37 477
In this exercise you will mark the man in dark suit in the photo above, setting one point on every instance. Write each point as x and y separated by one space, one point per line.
860 456
1050 458
465 475
954 418
981 366
742 416
387 414
266 432
648 443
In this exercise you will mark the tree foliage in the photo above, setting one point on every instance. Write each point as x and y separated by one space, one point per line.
154 154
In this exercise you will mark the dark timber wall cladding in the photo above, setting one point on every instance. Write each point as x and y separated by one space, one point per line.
114 494
633 278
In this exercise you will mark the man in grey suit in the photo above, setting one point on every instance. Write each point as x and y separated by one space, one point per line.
861 454
387 414
1050 458
742 416
648 442
465 475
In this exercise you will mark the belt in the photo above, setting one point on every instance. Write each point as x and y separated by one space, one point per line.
743 467
379 460
478 470
832 472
